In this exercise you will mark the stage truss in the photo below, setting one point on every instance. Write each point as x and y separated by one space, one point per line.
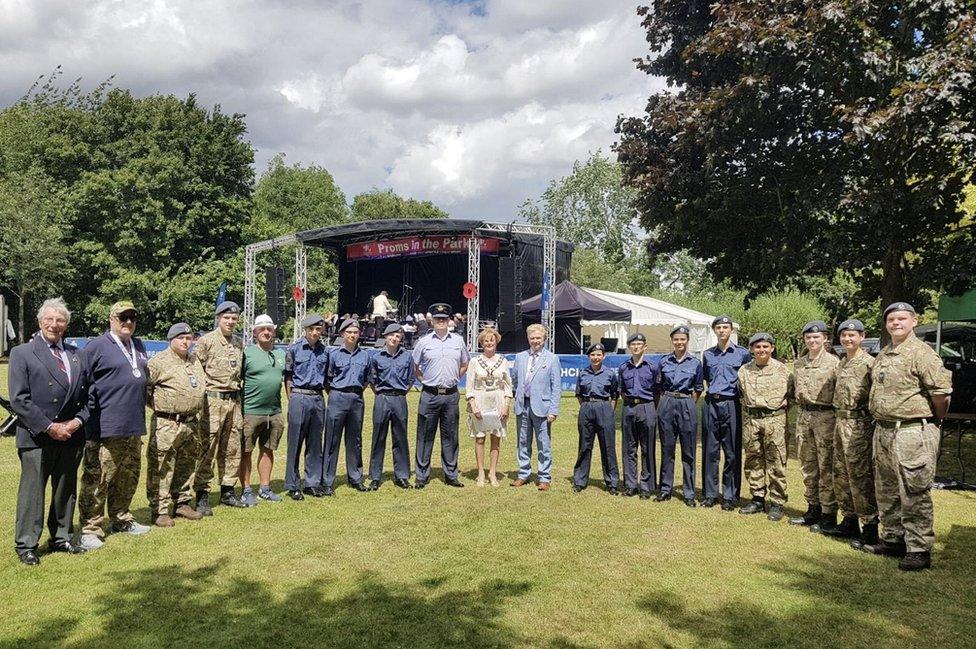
485 229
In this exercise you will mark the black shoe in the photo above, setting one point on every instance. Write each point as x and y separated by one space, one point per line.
30 558
775 513
373 485
827 522
916 561
295 494
613 491
402 483
848 529
869 536
314 492
326 491
691 502
754 506
887 549
709 502
420 484
66 546
728 505
230 499
578 488
453 482
203 504
630 492
358 486
645 495
660 498
810 517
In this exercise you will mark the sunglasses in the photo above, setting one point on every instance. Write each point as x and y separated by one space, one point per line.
127 317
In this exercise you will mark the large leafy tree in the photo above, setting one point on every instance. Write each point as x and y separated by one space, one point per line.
805 135
379 204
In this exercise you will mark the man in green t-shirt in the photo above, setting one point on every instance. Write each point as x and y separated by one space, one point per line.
263 374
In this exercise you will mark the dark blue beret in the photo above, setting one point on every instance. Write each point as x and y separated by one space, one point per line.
722 319
762 336
639 337
178 329
898 306
313 319
851 325
595 347
227 307
392 329
815 327
680 329
348 323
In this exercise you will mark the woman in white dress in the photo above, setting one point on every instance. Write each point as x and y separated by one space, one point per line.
488 389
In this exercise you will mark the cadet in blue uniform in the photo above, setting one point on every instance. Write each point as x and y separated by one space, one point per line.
597 390
345 380
722 417
390 375
305 362
439 359
677 415
638 383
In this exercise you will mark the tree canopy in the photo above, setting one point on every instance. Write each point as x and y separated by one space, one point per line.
379 204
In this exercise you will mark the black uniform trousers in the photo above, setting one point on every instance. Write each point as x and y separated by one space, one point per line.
59 464
389 412
639 438
722 435
437 409
596 420
343 421
306 415
677 419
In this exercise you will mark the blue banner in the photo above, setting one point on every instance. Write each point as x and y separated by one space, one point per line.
221 294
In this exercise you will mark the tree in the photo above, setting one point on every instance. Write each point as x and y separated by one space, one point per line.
591 270
782 314
806 136
379 204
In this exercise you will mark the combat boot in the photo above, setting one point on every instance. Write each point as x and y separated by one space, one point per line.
775 513
869 536
754 506
187 512
163 520
887 548
203 503
811 516
848 528
916 561
827 522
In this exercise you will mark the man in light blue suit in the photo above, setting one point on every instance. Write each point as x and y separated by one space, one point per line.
537 390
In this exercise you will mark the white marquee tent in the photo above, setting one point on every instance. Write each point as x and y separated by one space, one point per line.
655 319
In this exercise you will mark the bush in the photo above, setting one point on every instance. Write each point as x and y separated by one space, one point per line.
782 314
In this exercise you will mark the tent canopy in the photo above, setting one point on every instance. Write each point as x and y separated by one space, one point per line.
571 301
958 308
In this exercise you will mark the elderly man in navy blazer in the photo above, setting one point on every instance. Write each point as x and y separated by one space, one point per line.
538 387
48 393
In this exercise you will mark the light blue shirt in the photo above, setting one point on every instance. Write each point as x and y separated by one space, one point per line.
440 359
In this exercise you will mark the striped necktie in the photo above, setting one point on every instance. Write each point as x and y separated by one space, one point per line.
57 356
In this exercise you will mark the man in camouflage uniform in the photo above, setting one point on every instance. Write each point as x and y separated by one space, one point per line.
813 376
222 422
910 390
765 385
175 393
853 435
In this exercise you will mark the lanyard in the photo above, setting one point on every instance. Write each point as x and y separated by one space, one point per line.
130 354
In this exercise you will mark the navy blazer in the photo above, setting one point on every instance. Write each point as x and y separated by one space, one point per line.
40 394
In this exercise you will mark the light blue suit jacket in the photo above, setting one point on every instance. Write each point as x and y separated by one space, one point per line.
544 388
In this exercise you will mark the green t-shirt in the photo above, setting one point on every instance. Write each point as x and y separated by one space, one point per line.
263 375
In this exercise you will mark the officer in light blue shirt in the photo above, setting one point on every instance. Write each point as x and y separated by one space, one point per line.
345 381
391 376
439 358
681 383
722 417
305 363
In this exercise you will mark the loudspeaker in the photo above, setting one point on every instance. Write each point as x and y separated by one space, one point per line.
274 294
507 295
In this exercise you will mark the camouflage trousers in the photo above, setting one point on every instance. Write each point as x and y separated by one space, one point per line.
815 450
764 456
854 468
171 459
904 467
110 475
221 431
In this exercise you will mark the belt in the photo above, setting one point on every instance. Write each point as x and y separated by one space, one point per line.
353 390
230 395
635 401
172 416
719 397
431 389
677 395
815 407
392 393
762 413
860 413
903 423
587 399
317 393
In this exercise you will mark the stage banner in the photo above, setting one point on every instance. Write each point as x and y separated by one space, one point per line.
409 246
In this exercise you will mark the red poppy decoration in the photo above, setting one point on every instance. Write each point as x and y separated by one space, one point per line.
297 293
469 290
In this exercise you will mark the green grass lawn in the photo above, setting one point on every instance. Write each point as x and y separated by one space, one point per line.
485 568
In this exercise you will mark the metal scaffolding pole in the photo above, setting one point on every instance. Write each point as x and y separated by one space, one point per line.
474 276
549 284
301 281
249 272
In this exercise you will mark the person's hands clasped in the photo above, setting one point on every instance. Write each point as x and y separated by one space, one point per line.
551 418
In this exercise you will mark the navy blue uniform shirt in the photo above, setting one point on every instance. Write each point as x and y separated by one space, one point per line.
641 381
685 375
603 384
116 398
347 369
305 365
721 369
391 372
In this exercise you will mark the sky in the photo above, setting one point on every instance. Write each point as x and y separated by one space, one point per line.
474 105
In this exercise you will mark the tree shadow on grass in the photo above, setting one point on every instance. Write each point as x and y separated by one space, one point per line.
174 607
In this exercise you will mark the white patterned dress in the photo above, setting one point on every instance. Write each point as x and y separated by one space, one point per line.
490 382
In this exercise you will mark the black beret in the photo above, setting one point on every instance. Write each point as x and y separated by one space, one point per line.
313 319
392 329
762 336
595 347
722 319
898 306
639 337
227 307
178 329
815 327
851 325
440 310
680 329
348 323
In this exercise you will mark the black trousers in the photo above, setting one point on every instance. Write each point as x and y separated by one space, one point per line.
437 409
722 435
639 438
677 420
343 423
59 463
596 420
389 412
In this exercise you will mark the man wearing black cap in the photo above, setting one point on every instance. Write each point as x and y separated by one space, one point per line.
853 439
813 380
639 383
681 385
910 391
722 417
305 362
597 390
345 381
439 360
391 376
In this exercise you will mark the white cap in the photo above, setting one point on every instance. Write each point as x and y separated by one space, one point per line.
263 320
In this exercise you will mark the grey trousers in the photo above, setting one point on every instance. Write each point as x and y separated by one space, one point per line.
38 465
